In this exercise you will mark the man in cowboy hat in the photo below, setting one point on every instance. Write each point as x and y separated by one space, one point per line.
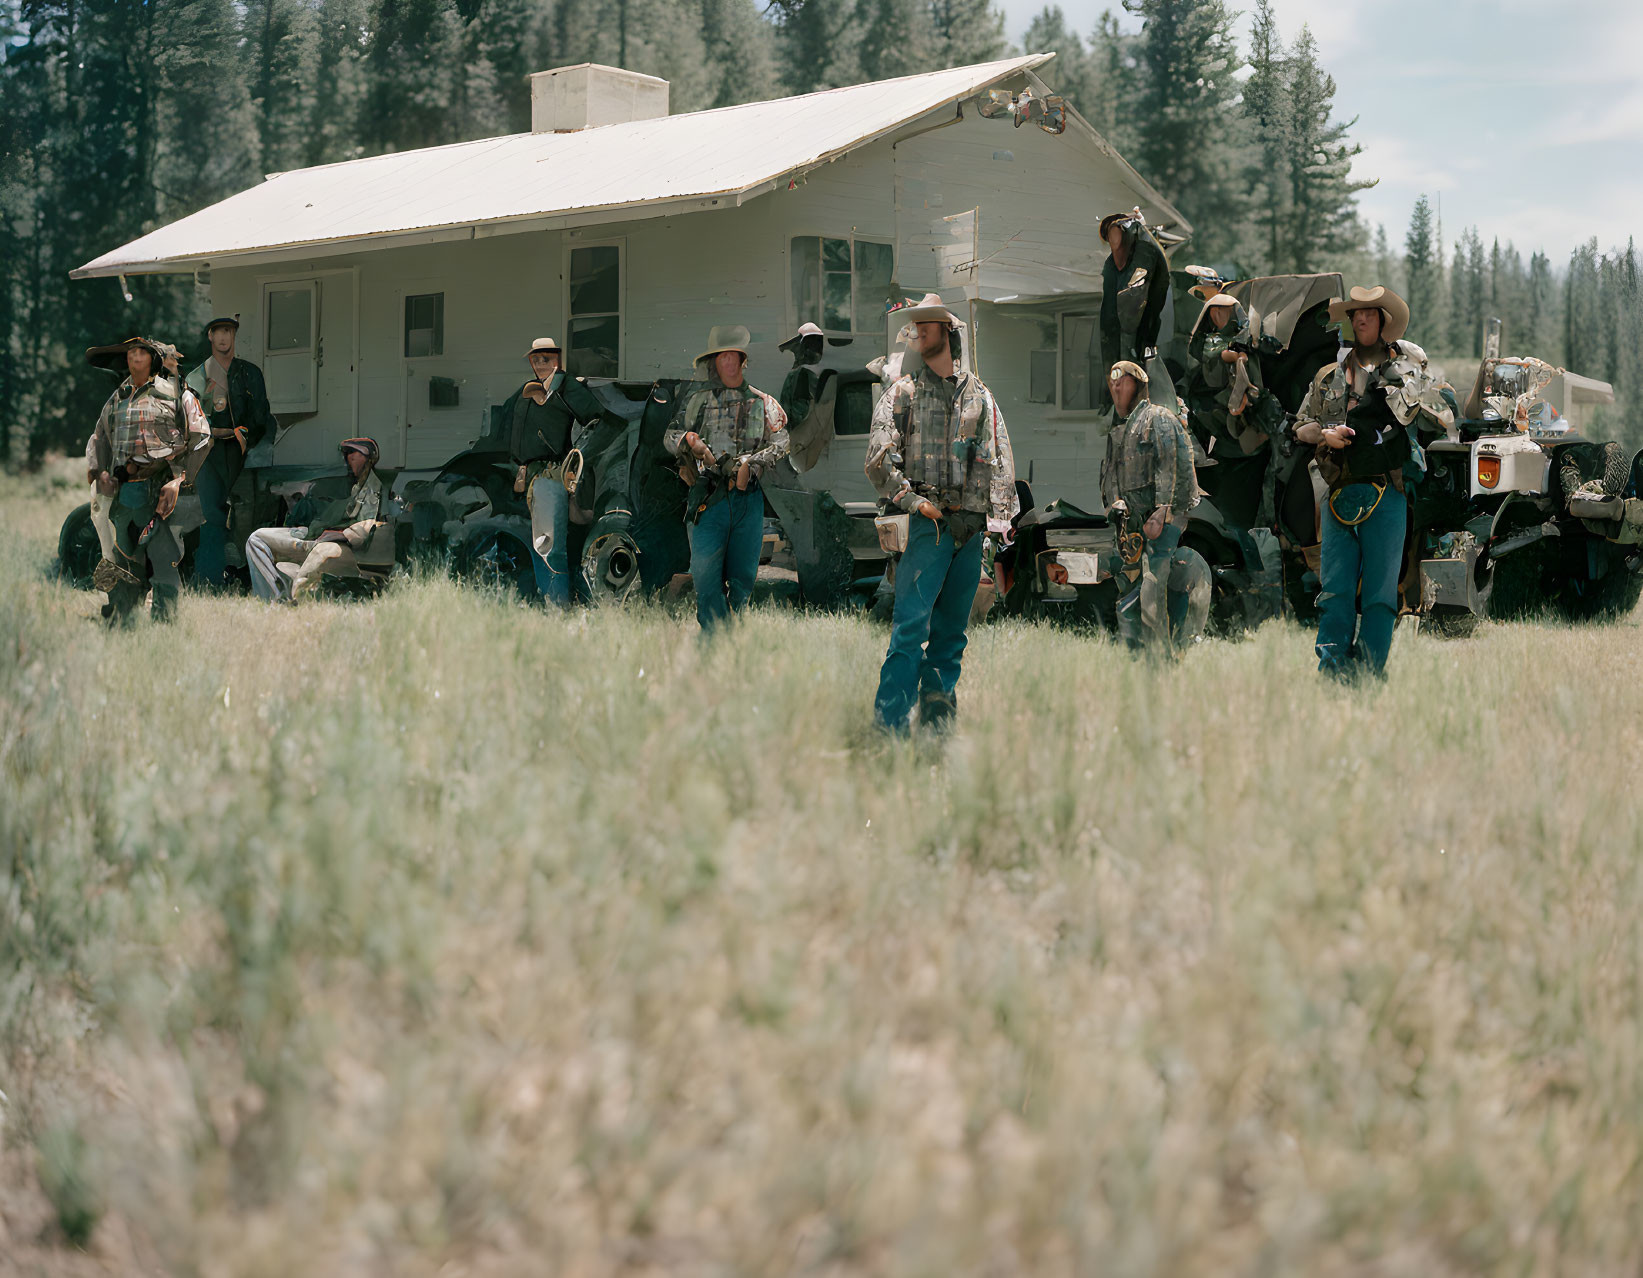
286 563
1149 486
236 404
726 434
1134 283
147 440
541 420
1362 415
799 389
1232 414
938 452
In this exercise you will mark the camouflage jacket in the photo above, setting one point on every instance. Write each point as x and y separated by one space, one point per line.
953 447
147 425
1150 464
355 516
1412 394
742 423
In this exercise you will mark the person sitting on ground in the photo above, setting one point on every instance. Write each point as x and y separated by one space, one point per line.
286 563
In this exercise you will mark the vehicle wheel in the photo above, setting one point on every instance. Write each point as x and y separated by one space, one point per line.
78 548
1449 623
610 567
496 558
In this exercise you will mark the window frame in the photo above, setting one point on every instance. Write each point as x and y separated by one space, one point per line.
620 244
851 237
405 325
1061 318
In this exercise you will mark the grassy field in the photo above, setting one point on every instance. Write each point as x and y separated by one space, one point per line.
439 936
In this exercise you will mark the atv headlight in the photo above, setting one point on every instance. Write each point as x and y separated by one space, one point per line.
1488 472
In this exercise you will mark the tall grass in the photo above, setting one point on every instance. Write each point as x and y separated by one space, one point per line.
438 935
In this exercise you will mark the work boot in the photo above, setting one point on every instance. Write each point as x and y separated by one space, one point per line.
936 709
108 574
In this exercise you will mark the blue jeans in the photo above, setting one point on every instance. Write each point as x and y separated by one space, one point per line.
935 586
1360 571
724 555
222 467
550 525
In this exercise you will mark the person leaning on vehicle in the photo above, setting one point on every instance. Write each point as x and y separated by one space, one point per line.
726 434
939 452
801 384
286 563
1360 416
1225 388
541 419
1134 284
140 453
236 404
1149 486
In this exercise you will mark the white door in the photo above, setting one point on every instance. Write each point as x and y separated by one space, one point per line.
290 345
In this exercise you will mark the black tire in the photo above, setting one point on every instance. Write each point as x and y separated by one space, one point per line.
496 558
78 548
1450 623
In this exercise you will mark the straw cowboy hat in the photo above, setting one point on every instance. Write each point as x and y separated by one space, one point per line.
545 346
1126 368
1222 299
805 330
726 337
113 356
929 311
1394 310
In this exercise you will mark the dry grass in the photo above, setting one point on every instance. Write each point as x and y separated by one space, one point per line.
439 936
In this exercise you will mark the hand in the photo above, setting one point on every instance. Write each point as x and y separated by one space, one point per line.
1153 529
743 474
168 497
1337 437
106 484
1309 433
929 511
698 449
1231 357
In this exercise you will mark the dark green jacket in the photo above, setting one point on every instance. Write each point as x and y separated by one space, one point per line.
247 400
543 432
799 393
1132 304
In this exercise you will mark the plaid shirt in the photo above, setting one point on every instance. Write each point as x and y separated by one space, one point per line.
955 449
140 425
1150 464
1411 389
740 422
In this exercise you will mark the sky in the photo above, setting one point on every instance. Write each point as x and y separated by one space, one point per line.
1522 118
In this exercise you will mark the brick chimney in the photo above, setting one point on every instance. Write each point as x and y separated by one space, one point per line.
586 96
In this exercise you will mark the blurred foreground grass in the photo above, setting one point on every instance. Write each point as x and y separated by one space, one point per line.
437 935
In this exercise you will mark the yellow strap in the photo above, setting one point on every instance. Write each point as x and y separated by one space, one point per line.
1380 491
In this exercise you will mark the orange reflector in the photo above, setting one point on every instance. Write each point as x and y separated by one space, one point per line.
1488 472
1056 573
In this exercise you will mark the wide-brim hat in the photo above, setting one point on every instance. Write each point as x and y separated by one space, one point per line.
726 337
1106 222
1392 307
231 321
546 346
1221 299
805 330
930 311
113 356
1127 367
361 444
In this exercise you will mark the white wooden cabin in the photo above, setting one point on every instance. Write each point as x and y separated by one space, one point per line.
394 296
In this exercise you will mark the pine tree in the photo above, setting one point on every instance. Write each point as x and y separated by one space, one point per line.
818 42
1538 304
967 31
1422 269
1270 113
1113 81
1323 216
897 39
739 50
1048 32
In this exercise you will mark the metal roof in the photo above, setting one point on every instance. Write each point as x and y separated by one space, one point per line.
518 182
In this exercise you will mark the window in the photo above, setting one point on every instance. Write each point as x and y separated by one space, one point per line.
853 406
594 347
1041 377
424 325
290 320
841 284
1081 366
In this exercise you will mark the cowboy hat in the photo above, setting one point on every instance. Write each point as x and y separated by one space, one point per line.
362 444
1125 368
1221 299
1394 310
1106 222
726 337
113 357
545 346
805 330
929 311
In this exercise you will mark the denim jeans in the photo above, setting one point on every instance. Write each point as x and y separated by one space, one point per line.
1360 571
936 583
724 555
222 467
550 529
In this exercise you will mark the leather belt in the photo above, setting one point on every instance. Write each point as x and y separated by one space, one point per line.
223 432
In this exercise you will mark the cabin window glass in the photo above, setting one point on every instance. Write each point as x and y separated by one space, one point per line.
424 325
841 284
853 408
1041 377
594 347
290 319
1080 361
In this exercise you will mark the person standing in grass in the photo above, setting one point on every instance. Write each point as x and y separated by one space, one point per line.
541 419
938 451
801 384
236 404
726 434
1150 487
1360 415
